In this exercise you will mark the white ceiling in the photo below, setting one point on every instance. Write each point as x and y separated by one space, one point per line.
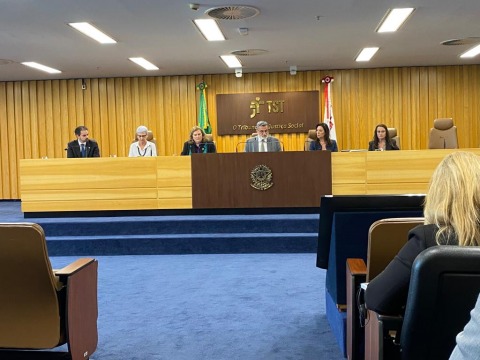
311 34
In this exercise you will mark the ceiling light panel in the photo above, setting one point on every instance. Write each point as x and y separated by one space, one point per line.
231 61
209 29
92 32
393 19
41 67
471 53
147 65
366 54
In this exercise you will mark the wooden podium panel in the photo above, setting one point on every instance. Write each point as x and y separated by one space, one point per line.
224 180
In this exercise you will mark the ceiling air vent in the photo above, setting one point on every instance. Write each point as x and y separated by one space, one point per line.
466 41
234 12
249 52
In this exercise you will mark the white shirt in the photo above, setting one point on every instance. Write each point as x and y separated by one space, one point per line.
149 150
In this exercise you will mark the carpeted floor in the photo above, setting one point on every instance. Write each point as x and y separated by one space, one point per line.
235 306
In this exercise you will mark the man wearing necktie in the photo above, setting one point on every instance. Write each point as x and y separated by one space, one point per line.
263 142
83 146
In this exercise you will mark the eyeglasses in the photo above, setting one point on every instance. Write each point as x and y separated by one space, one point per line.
141 135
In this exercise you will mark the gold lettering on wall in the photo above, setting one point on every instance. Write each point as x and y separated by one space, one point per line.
288 112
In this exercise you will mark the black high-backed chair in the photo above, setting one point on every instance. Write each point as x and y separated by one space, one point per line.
444 287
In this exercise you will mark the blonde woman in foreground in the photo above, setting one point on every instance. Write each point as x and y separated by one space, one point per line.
452 217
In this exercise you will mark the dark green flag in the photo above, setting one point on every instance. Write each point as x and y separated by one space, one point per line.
203 120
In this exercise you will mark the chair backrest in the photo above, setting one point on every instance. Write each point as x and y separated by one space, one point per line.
444 286
443 135
149 137
393 134
385 238
29 307
208 137
311 136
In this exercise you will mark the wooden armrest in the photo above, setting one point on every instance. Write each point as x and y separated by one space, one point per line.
356 267
356 274
73 267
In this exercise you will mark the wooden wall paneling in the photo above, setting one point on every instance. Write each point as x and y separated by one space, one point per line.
104 120
121 145
161 127
54 135
11 142
87 110
95 130
26 121
174 120
112 118
184 120
33 118
128 131
4 144
66 119
42 124
79 95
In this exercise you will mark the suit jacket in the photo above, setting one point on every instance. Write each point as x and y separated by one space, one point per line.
315 145
206 147
387 293
91 147
273 145
390 146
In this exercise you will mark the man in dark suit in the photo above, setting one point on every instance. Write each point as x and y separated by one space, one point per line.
83 146
263 142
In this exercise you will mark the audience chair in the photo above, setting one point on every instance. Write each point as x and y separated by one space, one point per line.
444 287
41 308
443 135
311 136
392 132
385 238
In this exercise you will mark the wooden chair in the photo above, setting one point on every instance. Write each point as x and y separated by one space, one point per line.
444 286
41 308
385 238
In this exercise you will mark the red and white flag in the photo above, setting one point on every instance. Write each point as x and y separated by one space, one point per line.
328 114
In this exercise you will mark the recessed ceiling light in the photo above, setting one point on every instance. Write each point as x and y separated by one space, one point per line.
147 65
92 32
366 54
38 66
231 61
471 53
209 28
393 19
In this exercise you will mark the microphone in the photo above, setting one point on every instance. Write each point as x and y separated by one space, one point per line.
306 145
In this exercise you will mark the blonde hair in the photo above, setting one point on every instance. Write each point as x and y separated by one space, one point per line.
453 199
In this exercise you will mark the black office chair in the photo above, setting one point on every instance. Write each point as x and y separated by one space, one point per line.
444 287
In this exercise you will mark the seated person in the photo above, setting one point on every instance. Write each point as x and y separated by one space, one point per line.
381 140
82 146
323 141
197 143
142 147
468 346
263 142
451 211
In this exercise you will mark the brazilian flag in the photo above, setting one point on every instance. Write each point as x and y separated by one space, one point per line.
203 120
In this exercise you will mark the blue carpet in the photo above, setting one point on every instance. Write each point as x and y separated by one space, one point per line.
236 306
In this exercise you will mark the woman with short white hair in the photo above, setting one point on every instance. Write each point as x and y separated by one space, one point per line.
142 147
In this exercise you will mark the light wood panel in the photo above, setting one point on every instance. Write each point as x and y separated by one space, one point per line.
38 117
